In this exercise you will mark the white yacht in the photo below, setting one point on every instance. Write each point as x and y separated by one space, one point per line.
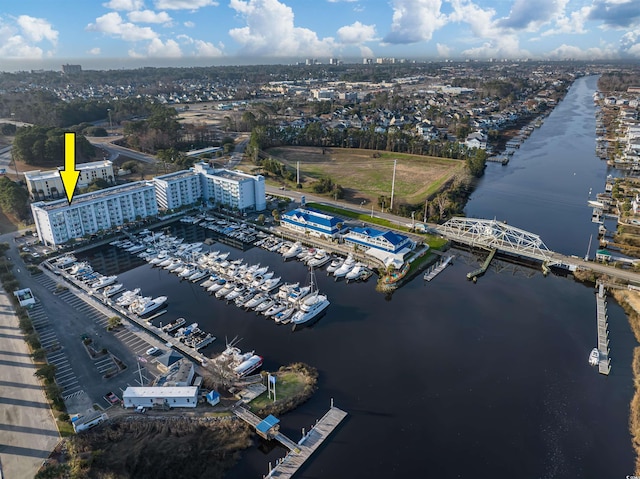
104 281
270 284
112 290
319 259
312 305
128 297
150 306
347 266
354 274
293 250
335 264
265 305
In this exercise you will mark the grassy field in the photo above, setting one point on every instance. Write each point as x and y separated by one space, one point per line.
365 177
289 384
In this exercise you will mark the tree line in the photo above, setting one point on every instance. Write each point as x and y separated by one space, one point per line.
37 145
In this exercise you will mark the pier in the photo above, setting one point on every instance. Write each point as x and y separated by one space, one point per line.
299 452
604 364
482 269
438 268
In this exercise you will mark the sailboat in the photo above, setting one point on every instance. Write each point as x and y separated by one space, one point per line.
314 304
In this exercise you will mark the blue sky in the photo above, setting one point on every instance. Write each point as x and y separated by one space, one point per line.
232 30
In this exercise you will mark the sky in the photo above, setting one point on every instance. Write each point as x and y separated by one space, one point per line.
40 32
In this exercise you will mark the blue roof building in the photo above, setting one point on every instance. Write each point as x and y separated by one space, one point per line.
305 220
268 426
382 240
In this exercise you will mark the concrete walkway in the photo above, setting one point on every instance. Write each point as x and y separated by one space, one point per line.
28 431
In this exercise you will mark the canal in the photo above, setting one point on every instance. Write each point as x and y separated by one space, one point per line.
451 379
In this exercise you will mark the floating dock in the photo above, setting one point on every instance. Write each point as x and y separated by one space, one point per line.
604 364
480 271
438 268
309 443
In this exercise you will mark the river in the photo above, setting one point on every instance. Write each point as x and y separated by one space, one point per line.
452 379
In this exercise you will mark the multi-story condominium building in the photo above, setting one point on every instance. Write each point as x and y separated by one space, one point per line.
231 188
58 221
47 185
312 222
178 189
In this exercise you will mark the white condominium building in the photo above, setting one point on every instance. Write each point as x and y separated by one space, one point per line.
46 185
232 188
178 189
58 221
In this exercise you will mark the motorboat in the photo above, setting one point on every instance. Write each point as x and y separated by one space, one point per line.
256 300
275 308
335 264
263 306
270 284
226 289
150 306
188 271
297 293
347 266
285 289
237 291
127 297
311 307
218 284
64 261
171 327
293 251
197 276
80 268
354 274
319 259
594 357
248 366
112 290
284 315
104 281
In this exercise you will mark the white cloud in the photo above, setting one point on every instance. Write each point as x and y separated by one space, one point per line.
497 41
338 1
124 4
184 4
415 21
572 23
156 48
206 49
189 24
112 24
37 29
443 50
271 31
19 37
573 52
356 33
366 52
149 16
94 51
530 15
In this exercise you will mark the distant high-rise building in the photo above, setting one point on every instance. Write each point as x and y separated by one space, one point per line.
69 69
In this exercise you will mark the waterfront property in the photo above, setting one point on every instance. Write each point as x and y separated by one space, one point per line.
47 185
167 397
231 188
58 221
387 246
177 189
309 221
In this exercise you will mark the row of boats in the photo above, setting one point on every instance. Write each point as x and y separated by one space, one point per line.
252 287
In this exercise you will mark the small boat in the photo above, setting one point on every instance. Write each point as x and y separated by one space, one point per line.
256 300
265 305
319 259
171 327
197 276
335 264
347 266
292 251
354 273
150 306
284 315
218 284
594 357
275 308
127 297
270 284
104 281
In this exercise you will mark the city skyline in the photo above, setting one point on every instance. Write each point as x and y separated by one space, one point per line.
191 32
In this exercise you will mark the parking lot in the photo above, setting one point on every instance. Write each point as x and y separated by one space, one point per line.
65 322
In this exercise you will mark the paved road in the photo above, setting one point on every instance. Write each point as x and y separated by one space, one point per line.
29 432
115 151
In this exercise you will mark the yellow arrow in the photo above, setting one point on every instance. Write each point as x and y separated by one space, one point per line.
69 174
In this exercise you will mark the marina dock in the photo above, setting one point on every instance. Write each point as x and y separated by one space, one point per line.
299 452
604 364
309 443
436 269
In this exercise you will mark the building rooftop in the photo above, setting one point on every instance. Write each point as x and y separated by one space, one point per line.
390 236
312 216
93 196
51 174
267 423
154 392
176 175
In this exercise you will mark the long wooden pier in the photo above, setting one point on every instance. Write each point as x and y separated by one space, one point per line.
480 271
437 268
604 364
309 443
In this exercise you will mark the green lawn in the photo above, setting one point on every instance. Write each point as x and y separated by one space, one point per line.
288 384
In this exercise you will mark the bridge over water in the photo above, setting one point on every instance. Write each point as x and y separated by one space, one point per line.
498 235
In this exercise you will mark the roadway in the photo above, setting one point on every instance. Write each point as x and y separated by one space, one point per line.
115 151
29 431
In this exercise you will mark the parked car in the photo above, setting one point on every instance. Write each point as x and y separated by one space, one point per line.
112 398
152 351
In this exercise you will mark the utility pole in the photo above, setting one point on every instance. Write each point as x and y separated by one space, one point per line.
393 184
426 208
297 173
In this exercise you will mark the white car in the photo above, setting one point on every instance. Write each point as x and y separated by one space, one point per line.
152 351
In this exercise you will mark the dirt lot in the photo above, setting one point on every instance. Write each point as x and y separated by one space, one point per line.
367 177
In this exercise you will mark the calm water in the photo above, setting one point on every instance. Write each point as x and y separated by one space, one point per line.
451 379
